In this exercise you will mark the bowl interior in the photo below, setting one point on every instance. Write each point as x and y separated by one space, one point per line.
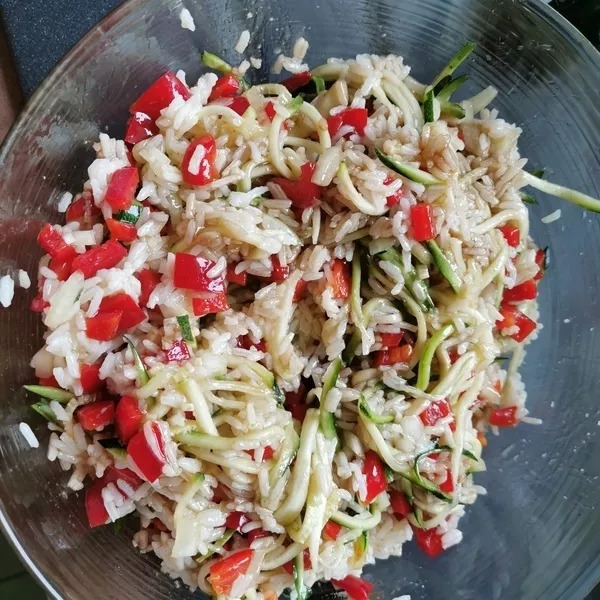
536 533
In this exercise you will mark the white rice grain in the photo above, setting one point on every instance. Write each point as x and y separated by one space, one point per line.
242 42
187 22
553 216
7 290
29 436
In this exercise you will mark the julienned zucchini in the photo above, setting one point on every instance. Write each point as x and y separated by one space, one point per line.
454 63
267 377
365 409
436 339
216 546
408 171
361 544
302 591
212 61
294 105
357 522
186 330
326 420
429 107
443 91
43 409
287 452
132 214
50 393
446 268
139 365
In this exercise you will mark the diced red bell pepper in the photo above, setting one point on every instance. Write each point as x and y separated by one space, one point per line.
396 196
331 530
302 192
340 279
149 457
289 566
354 117
158 524
90 378
246 343
148 281
215 303
220 493
124 232
62 268
392 356
355 587
53 243
106 256
391 340
96 414
511 234
374 475
139 127
191 273
94 504
256 534
120 192
178 352
524 291
83 209
236 520
103 327
429 541
227 85
128 417
434 412
279 272
48 381
399 503
511 317
239 104
422 225
267 454
298 411
38 304
448 485
233 277
112 475
295 402
540 261
132 314
270 110
207 168
159 95
504 417
300 290
224 572
295 82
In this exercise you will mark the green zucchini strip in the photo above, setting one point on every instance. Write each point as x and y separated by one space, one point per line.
50 393
326 420
408 171
455 62
565 193
445 266
425 362
139 365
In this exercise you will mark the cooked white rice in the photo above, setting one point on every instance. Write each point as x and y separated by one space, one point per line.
7 290
187 21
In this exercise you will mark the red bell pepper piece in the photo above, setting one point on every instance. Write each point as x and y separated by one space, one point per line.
524 291
48 381
148 456
128 417
227 86
268 453
215 303
302 192
448 485
374 475
354 117
295 402
112 475
295 82
178 352
148 281
123 232
132 314
279 272
83 209
270 110
511 234
90 378
434 412
224 572
396 196
540 261
239 104
300 290
236 520
256 534
399 503
53 243
62 268
289 567
207 169
504 417
246 343
429 541
233 277
103 327
191 273
96 414
340 279
120 192
139 127
38 304
391 340
94 504
391 356
355 587
422 225
511 317
106 256
159 95
331 530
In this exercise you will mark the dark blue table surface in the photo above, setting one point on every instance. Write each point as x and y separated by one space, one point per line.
40 32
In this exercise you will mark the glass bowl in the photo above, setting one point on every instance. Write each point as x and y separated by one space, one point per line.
537 533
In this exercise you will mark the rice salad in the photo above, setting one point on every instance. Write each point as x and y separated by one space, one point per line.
282 318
